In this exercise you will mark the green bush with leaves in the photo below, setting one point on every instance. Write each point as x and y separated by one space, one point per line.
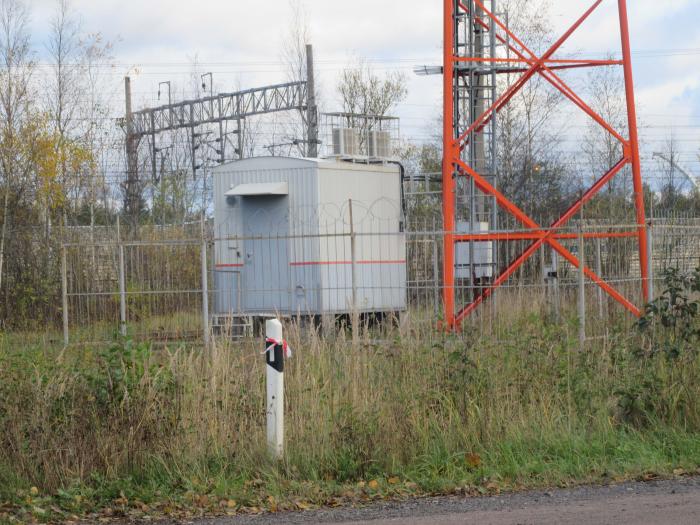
671 323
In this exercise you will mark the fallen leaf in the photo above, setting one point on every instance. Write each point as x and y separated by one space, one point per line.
393 480
374 484
473 460
231 503
34 491
493 487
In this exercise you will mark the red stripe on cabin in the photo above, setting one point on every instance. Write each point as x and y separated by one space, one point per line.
330 263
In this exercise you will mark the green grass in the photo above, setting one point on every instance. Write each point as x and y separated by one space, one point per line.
402 412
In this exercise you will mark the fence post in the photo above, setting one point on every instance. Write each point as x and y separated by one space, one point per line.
599 271
650 261
274 358
555 284
64 294
122 284
205 287
353 256
581 291
543 272
437 303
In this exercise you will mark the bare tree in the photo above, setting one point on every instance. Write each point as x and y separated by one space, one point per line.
672 181
601 149
16 127
78 112
364 92
607 97
365 95
63 89
294 57
529 165
99 130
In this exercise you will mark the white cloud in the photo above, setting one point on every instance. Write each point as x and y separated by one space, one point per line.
244 36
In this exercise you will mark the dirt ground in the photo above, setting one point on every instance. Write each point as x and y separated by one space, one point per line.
674 502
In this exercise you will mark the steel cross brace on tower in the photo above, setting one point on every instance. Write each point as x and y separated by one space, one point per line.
461 132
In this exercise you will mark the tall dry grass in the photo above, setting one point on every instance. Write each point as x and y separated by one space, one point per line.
400 399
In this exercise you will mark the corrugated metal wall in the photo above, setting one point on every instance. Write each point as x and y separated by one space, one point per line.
291 254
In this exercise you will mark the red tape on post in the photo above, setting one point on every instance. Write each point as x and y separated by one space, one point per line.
272 343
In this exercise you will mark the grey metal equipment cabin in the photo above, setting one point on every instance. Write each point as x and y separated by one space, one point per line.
308 237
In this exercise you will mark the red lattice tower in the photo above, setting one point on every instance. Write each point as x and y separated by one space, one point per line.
457 136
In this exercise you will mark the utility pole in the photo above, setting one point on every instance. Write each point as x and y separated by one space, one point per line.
132 200
311 109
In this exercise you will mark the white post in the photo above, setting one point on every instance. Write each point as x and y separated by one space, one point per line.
275 389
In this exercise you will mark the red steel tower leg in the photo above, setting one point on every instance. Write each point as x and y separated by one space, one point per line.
461 130
634 149
448 168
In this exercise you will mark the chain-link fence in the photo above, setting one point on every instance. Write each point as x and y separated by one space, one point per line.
189 282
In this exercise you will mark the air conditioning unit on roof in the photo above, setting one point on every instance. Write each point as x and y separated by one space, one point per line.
346 142
379 144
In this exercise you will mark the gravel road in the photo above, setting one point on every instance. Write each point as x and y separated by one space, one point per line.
674 502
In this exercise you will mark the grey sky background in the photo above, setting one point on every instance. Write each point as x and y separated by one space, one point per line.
240 41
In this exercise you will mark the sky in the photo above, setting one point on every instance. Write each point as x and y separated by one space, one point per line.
240 42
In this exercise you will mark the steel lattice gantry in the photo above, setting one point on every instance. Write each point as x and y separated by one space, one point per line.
215 109
473 35
225 106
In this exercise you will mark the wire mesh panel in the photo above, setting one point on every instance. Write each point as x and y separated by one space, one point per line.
339 260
